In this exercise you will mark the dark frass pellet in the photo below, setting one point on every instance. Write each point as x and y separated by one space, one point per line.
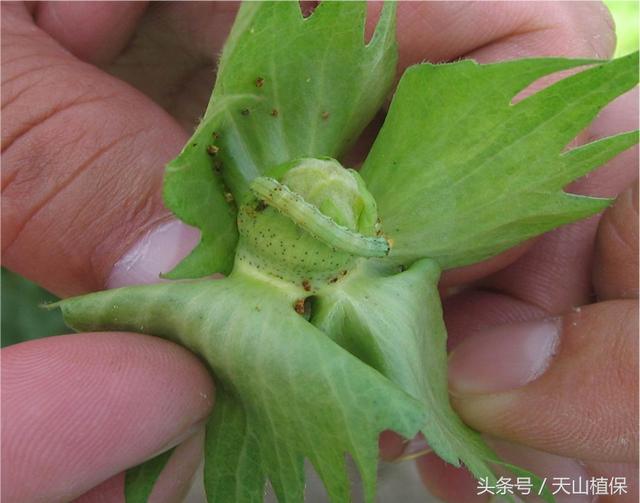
259 82
325 115
245 111
274 113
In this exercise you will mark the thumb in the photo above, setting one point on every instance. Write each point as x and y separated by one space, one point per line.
566 386
615 272
82 161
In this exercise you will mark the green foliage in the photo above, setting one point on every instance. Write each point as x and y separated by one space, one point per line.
460 173
288 87
292 391
393 322
22 320
139 481
626 14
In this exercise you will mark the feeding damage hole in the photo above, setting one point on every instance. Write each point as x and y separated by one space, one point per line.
217 167
303 307
307 7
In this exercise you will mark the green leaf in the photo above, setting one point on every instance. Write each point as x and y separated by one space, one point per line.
139 481
21 319
301 394
232 467
538 486
394 323
318 75
195 192
288 87
460 173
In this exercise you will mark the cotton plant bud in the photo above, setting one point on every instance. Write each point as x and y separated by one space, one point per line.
308 223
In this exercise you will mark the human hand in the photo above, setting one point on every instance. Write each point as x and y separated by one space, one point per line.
82 218
581 403
83 155
547 371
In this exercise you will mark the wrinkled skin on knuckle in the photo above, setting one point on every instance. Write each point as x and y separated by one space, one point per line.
86 205
67 176
83 155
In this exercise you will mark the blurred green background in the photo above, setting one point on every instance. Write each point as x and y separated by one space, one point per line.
625 14
22 319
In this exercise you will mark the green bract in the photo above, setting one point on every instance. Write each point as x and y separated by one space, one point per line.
287 88
328 328
308 228
478 174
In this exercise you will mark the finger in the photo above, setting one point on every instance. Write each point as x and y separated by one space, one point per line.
174 481
560 475
466 274
564 475
626 475
447 482
568 387
457 485
92 31
465 314
505 30
82 162
549 467
615 273
391 445
444 31
78 409
173 55
471 312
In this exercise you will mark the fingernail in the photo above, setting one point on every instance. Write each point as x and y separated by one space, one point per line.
157 252
503 358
